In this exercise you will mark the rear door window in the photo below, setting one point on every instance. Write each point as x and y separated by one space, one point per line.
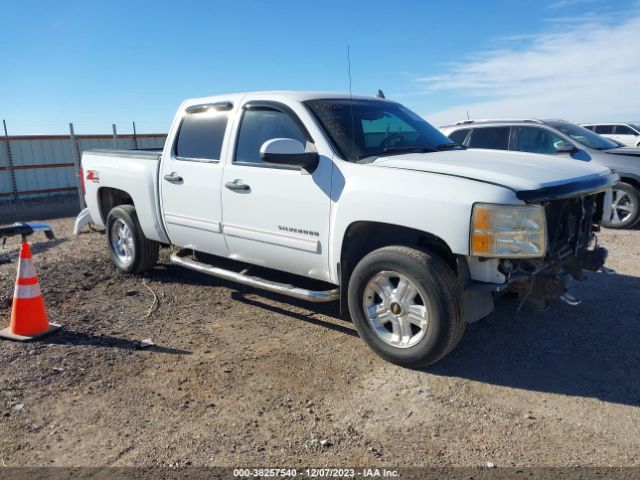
496 138
200 136
459 136
604 129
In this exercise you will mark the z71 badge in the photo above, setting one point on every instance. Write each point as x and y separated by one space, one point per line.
93 176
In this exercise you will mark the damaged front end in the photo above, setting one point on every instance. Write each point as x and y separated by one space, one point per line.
572 224
536 249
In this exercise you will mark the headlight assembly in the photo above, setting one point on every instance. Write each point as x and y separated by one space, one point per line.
508 231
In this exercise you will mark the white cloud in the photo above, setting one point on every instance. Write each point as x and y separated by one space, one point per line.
589 72
566 3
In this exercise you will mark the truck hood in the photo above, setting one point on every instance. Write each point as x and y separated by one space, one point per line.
516 171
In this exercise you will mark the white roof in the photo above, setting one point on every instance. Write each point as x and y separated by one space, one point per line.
297 95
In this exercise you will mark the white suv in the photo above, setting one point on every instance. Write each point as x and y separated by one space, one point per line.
625 133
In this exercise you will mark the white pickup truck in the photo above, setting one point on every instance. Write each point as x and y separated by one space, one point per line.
412 233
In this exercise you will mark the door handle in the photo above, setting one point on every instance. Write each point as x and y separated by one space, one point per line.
238 186
173 177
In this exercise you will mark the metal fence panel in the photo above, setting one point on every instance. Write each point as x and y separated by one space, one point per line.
44 165
5 182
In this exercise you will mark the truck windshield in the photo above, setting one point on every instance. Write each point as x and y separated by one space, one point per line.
367 129
584 136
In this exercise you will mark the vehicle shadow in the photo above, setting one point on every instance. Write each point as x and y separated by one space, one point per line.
329 310
71 337
173 274
591 350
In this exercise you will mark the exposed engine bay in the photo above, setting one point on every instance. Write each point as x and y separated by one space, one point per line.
572 225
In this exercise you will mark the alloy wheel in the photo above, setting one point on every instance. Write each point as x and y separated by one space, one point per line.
395 309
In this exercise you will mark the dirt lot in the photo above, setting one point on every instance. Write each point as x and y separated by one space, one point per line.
244 378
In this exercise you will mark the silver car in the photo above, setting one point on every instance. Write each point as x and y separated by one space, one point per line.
558 137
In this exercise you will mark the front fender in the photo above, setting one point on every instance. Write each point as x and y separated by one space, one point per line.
439 205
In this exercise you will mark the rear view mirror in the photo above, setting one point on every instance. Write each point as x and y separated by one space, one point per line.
565 147
287 151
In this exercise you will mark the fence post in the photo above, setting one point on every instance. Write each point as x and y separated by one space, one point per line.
76 164
12 171
115 136
135 136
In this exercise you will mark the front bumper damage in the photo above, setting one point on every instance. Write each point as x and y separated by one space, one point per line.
572 224
552 282
535 286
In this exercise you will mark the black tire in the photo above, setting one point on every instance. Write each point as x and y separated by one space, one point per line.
437 284
633 219
145 251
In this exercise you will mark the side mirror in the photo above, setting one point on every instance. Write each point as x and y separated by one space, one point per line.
565 147
287 151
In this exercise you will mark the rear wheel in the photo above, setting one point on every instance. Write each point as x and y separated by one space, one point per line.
625 208
405 304
129 249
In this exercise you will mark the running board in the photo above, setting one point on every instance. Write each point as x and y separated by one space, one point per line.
178 258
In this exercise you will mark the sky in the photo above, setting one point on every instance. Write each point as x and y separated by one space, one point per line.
95 63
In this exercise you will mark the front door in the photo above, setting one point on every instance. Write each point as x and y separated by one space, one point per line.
190 180
275 216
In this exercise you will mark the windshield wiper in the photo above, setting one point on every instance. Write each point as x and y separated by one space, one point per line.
449 146
398 149
407 148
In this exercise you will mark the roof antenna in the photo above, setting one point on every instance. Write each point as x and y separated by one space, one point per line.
349 64
468 115
380 94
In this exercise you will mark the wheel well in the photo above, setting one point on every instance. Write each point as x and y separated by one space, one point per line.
362 238
111 197
631 181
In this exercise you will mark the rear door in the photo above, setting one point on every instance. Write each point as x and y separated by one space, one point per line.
190 179
276 216
604 130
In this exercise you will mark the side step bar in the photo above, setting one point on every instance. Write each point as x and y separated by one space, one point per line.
178 258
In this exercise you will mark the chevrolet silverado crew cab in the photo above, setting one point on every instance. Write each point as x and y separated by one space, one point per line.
355 199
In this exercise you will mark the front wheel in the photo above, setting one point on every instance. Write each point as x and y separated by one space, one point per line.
129 249
625 208
405 304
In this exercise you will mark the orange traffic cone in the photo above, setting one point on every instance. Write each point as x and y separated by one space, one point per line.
28 315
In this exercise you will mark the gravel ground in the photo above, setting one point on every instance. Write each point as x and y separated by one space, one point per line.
246 378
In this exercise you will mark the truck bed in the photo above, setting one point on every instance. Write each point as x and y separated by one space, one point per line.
130 172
